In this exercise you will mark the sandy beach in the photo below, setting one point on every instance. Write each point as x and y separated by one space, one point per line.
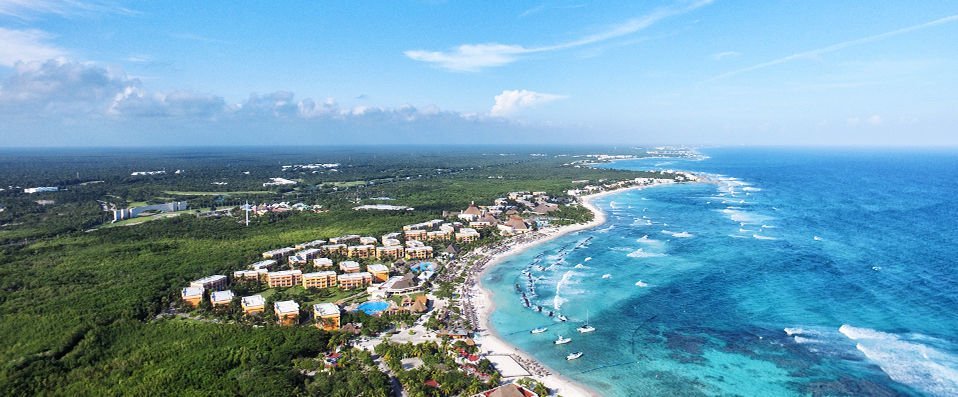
480 300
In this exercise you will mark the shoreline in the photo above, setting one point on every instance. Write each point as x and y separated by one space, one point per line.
480 303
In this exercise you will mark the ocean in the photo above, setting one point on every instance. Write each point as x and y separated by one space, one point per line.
796 272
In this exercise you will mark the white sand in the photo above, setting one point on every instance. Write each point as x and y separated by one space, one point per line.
491 343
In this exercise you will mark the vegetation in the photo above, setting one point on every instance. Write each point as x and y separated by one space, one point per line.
86 312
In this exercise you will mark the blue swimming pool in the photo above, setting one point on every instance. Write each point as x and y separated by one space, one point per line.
423 267
373 307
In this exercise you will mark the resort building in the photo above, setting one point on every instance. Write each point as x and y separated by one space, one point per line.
311 244
287 312
221 298
415 234
470 214
390 251
419 252
192 295
389 242
285 278
323 263
354 280
405 284
391 236
326 316
367 241
349 267
414 243
334 249
212 283
303 257
480 224
466 235
351 238
247 275
423 225
324 279
279 253
253 304
361 251
268 264
379 271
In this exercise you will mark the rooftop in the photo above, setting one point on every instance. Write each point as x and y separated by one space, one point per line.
285 307
210 279
221 296
326 309
378 267
285 273
192 291
253 301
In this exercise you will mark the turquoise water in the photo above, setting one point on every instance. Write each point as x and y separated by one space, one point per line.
423 267
798 272
373 307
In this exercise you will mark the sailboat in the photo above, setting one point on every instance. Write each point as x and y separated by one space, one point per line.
562 341
586 328
539 330
573 356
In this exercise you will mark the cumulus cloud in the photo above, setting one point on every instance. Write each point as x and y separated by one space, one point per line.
510 101
475 57
61 89
26 46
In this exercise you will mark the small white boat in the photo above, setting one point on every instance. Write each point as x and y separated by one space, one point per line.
562 341
563 318
586 328
539 330
573 356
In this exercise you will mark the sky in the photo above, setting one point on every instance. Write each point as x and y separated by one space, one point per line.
695 72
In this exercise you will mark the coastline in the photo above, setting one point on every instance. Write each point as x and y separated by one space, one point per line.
480 300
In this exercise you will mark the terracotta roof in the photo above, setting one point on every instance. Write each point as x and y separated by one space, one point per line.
517 223
472 210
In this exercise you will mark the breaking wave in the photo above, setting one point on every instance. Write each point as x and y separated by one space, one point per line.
908 361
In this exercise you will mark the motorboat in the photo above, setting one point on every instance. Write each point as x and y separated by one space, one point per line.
538 330
573 356
562 341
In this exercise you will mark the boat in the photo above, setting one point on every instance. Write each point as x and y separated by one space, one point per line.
562 341
586 328
573 356
538 330
563 318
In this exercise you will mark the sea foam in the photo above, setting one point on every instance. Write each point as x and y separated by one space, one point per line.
907 361
639 253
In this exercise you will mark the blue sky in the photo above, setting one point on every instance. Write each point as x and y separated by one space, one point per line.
93 72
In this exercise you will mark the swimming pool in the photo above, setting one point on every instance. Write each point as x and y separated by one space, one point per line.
373 307
423 267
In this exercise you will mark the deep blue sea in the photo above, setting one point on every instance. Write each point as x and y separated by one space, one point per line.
797 272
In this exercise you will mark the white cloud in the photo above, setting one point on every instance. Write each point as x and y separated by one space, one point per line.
471 57
26 9
725 54
839 46
475 57
61 89
26 46
510 101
